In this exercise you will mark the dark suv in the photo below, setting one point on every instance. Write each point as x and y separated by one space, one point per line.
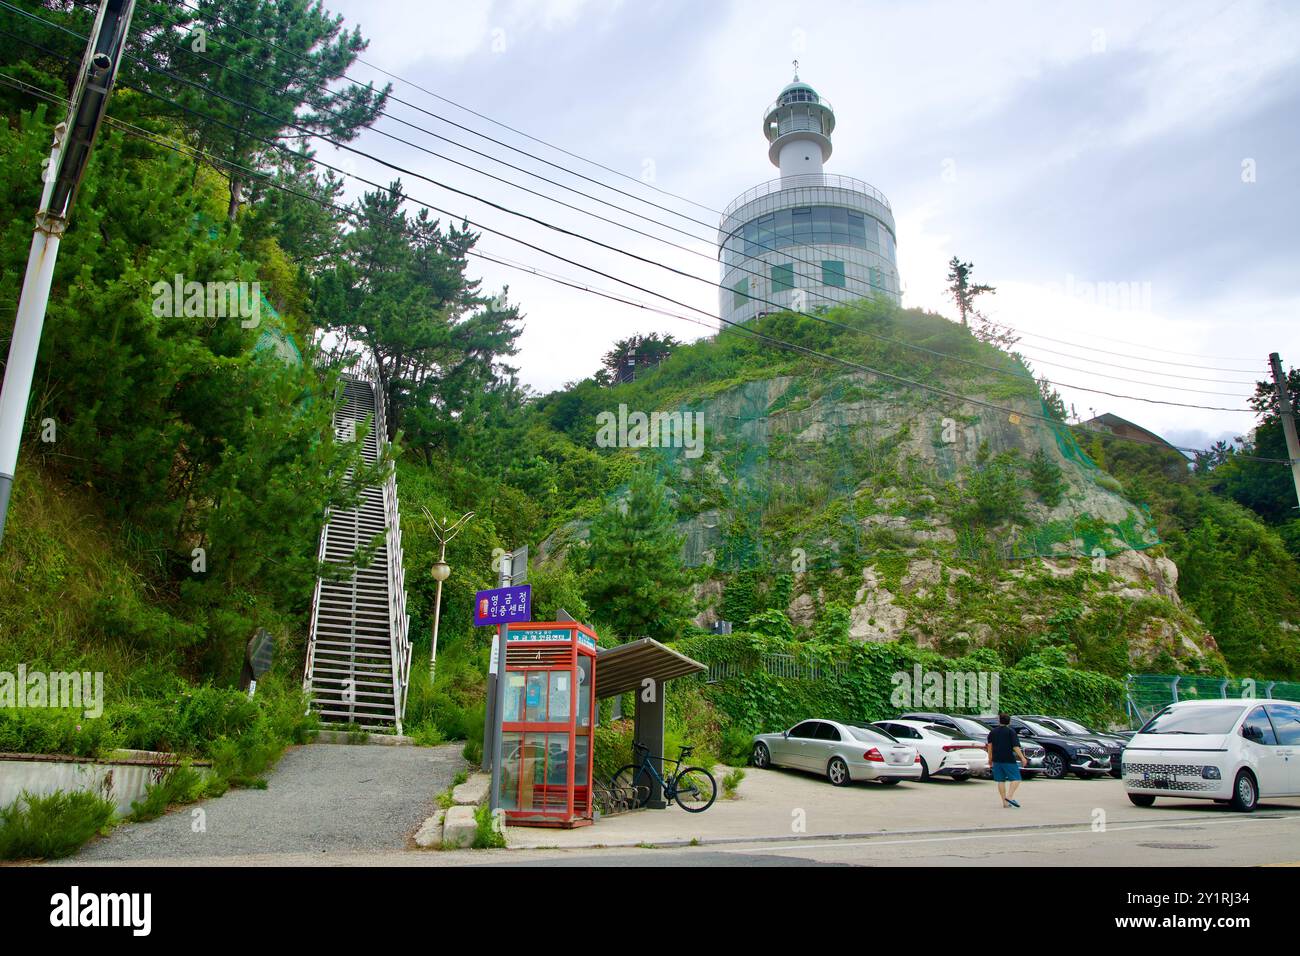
1113 744
1066 753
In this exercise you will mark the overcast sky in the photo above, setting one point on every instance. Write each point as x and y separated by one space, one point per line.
1064 148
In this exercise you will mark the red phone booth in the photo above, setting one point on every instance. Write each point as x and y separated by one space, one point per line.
546 724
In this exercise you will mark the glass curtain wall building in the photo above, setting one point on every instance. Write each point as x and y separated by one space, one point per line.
807 239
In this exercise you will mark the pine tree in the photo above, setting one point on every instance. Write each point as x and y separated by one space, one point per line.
400 295
637 583
963 291
262 69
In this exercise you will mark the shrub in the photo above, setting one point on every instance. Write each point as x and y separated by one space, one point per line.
181 785
730 782
51 827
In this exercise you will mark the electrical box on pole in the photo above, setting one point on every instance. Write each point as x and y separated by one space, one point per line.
74 139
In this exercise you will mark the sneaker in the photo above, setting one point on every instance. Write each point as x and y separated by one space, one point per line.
1014 804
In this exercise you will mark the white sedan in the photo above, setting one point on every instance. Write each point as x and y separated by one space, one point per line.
944 752
842 752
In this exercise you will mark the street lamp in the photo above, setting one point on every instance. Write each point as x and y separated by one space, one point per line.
444 531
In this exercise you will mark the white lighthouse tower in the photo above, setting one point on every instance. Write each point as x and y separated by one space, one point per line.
807 239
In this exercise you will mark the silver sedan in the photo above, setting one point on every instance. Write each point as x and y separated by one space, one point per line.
842 752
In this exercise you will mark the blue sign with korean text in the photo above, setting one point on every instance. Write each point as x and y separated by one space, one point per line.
503 605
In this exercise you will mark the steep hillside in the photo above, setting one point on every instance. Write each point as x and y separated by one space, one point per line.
865 507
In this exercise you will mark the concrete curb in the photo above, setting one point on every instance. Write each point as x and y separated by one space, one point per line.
381 740
862 835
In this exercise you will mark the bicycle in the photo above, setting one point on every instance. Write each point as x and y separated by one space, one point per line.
693 788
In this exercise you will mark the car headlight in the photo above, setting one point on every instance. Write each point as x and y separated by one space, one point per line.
1211 773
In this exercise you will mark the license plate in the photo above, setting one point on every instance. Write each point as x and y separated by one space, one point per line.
1159 782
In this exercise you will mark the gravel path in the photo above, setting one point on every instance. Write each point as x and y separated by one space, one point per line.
321 798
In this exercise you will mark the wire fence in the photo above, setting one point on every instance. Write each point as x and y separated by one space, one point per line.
778 665
1146 694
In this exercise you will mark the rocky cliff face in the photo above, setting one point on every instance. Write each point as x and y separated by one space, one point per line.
951 523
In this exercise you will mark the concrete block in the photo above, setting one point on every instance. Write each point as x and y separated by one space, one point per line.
430 832
459 827
473 791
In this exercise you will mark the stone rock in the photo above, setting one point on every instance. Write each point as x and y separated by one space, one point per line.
459 827
1138 567
430 832
874 616
473 791
802 610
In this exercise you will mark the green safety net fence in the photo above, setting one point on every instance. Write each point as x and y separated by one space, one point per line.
1147 694
791 469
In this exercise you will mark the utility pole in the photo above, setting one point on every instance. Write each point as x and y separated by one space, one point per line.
1288 419
74 139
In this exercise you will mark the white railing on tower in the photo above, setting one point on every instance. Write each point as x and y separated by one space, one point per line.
829 180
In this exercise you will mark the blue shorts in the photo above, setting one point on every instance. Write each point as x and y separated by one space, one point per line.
1003 772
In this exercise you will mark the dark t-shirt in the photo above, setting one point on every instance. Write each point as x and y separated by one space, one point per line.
1005 741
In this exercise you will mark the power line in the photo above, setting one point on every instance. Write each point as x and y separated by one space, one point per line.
668 242
563 231
621 174
738 327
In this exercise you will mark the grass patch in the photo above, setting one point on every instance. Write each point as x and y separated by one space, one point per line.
731 782
487 835
181 785
52 827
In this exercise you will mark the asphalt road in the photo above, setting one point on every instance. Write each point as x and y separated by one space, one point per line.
321 799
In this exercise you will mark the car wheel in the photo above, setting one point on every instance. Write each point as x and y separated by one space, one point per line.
925 770
1141 799
837 772
1245 795
761 757
1054 766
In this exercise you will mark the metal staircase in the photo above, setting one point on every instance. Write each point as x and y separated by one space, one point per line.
359 652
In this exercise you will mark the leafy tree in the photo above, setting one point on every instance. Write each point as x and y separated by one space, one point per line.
963 291
636 581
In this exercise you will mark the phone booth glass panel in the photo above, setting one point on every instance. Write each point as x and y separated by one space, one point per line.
546 725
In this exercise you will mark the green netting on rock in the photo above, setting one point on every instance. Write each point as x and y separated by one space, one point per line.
794 469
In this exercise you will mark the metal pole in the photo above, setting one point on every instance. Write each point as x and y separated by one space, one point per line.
494 794
23 347
437 615
498 655
74 139
1288 420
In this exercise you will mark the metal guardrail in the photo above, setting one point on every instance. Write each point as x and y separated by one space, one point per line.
399 619
794 99
828 180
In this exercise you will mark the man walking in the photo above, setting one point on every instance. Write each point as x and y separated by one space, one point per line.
1006 758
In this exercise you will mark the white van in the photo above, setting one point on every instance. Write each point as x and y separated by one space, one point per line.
1230 751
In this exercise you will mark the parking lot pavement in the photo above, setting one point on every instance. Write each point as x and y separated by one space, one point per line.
779 805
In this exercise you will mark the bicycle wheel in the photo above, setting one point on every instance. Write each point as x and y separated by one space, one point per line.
636 787
695 789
